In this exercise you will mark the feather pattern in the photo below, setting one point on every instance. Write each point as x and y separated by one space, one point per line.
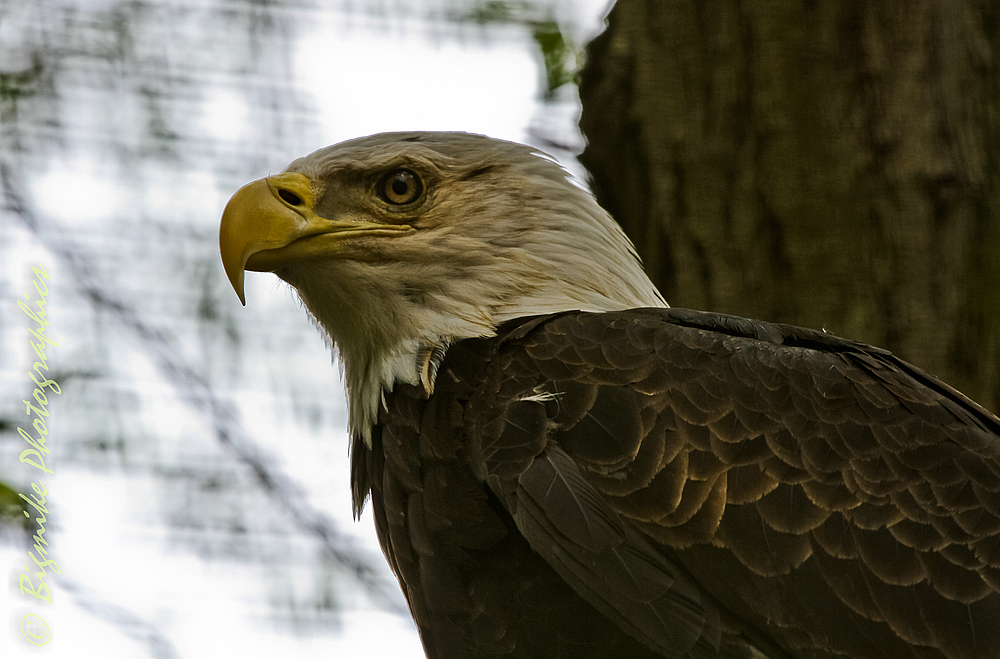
710 485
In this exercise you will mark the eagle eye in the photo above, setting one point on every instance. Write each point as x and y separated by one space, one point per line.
399 187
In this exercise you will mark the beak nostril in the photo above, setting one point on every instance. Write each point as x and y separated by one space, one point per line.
290 197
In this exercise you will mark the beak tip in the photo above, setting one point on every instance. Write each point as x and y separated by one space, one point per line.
235 277
237 284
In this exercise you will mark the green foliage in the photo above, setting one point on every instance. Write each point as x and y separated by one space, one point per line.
500 11
12 507
15 85
561 57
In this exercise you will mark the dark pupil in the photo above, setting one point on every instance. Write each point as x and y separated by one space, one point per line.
399 186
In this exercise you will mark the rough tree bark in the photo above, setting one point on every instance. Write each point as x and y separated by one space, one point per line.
825 163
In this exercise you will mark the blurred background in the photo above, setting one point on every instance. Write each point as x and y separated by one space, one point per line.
200 500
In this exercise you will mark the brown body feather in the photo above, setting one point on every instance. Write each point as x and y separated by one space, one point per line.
707 484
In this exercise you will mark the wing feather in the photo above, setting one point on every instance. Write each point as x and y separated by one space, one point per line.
823 470
570 524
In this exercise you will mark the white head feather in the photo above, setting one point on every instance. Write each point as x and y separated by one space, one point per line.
503 232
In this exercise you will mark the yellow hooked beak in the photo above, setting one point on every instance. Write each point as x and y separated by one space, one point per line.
270 223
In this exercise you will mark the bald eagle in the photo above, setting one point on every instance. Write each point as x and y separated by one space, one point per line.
560 465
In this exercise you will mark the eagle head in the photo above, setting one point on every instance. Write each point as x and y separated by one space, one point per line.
401 243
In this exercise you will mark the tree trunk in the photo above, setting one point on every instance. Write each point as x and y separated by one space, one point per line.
828 164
